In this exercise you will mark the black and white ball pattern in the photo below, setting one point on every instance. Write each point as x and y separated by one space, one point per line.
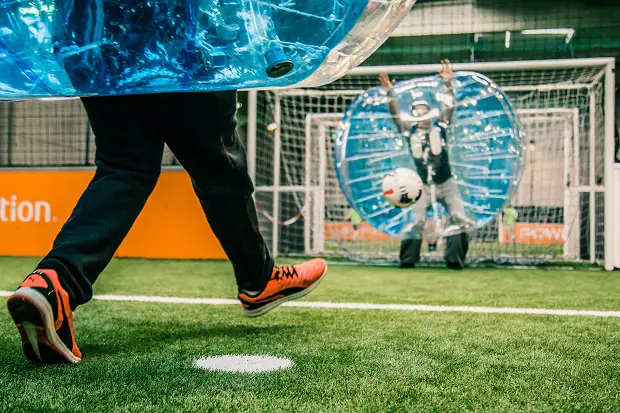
402 188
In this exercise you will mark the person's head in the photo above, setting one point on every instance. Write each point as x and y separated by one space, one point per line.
421 110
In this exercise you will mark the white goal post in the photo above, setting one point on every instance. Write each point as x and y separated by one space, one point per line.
320 126
566 107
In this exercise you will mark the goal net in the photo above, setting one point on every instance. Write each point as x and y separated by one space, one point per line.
557 215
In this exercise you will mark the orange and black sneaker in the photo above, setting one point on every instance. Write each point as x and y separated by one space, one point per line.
40 309
286 283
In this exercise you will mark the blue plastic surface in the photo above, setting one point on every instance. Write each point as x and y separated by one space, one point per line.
109 47
484 144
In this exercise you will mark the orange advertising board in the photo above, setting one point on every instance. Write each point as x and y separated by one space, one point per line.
526 233
344 231
34 205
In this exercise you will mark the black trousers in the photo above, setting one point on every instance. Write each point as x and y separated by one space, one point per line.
130 134
456 250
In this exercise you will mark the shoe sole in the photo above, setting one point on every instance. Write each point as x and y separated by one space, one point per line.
268 307
34 318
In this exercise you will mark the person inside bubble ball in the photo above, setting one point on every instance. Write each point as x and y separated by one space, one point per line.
428 134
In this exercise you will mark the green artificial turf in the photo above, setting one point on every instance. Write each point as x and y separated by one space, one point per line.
138 357
478 250
549 288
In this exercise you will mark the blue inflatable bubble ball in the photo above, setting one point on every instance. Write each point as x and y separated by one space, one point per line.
461 137
114 47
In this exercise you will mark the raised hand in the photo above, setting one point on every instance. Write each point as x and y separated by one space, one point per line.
385 81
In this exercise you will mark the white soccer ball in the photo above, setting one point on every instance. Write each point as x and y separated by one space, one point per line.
402 187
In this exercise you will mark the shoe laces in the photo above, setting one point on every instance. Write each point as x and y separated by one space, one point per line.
284 271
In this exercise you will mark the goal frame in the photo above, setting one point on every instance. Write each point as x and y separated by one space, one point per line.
612 246
314 231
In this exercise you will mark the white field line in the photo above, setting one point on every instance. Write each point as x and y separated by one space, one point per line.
360 306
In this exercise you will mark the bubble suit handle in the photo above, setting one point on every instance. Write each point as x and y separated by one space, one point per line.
111 47
483 143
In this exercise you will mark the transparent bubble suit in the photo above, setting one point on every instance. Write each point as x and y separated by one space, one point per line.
484 142
110 47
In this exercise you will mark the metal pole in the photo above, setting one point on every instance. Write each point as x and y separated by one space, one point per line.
610 124
485 66
576 236
568 210
592 177
252 127
322 181
277 147
308 185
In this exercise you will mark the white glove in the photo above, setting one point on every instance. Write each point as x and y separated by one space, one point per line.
416 147
435 139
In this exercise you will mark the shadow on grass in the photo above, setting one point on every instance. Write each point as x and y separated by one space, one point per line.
136 340
163 335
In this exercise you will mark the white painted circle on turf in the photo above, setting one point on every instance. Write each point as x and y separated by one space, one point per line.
240 363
